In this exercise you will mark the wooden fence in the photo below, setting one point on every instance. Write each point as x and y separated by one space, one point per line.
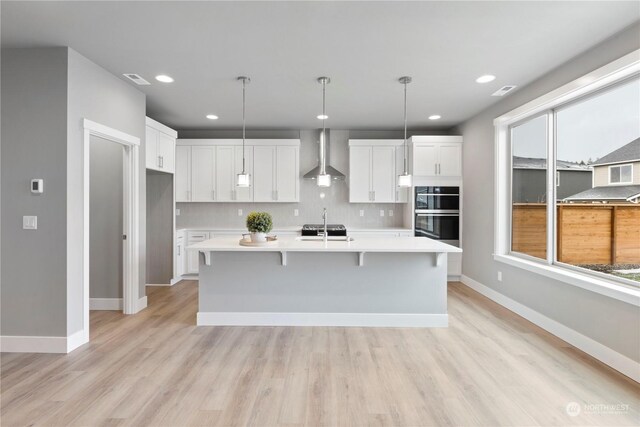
587 233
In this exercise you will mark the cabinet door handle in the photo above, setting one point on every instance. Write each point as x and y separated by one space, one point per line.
397 195
374 196
189 195
275 195
435 166
439 169
178 250
213 194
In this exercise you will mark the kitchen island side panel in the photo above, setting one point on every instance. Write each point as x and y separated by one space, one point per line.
313 282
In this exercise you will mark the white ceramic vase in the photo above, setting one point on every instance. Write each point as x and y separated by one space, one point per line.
258 237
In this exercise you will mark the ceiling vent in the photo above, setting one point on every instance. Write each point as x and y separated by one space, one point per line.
503 90
137 79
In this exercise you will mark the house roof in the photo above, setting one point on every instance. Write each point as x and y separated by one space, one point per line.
535 163
626 153
627 193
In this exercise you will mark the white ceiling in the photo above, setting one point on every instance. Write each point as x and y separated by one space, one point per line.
284 46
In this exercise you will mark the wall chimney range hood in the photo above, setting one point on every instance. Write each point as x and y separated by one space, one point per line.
324 147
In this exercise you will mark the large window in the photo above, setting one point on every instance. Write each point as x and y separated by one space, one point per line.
570 170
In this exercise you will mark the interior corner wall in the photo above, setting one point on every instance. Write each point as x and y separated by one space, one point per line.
34 137
610 322
159 219
99 96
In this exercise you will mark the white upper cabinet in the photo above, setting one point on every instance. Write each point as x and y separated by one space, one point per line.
287 173
264 174
183 174
214 165
224 171
372 171
160 146
203 178
436 156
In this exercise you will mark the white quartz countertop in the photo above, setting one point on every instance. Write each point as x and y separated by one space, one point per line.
364 244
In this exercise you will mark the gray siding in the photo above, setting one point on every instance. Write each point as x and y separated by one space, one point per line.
595 316
529 185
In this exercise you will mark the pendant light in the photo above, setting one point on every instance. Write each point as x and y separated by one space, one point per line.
404 180
324 179
244 179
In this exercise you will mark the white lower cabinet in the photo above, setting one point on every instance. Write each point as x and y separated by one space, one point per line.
181 257
193 257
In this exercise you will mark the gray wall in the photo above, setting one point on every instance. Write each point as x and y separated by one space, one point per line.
336 200
608 321
97 95
34 138
160 226
45 95
530 185
105 222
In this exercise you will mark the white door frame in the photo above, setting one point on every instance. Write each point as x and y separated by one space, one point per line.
131 214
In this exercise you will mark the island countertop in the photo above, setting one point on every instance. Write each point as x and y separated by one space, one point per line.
364 244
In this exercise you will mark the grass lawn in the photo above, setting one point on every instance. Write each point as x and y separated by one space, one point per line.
611 269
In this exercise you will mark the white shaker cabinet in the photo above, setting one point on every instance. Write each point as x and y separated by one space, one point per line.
183 174
436 156
193 257
372 171
203 177
160 146
402 193
287 173
264 174
243 194
224 173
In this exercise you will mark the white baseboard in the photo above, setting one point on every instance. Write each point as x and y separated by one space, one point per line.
36 344
76 340
323 319
606 355
105 304
141 304
162 284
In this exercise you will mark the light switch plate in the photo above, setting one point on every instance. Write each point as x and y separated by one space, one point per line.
381 212
390 212
239 212
295 212
361 212
29 222
177 212
499 276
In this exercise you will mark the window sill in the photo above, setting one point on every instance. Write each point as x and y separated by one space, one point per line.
604 287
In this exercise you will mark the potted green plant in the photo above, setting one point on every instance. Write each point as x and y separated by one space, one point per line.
259 224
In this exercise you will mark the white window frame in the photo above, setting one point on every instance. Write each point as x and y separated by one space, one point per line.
610 74
620 166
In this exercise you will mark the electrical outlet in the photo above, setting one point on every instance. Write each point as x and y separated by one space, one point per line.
381 212
239 212
295 212
499 276
361 212
390 212
177 212
30 222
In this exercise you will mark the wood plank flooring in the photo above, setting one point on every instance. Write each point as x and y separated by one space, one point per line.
489 368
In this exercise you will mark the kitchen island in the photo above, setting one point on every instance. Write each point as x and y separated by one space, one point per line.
385 282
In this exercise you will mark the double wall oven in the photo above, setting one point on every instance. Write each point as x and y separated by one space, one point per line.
437 213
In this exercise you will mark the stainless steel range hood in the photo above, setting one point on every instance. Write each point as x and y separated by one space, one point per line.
324 146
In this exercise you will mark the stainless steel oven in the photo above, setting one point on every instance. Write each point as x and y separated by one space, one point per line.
437 214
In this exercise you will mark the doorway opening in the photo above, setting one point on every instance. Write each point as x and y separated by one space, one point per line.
127 147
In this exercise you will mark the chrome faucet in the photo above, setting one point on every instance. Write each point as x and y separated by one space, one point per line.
324 218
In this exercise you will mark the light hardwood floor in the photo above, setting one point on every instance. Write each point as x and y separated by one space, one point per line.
490 368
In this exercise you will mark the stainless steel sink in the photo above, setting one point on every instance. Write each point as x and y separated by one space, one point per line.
329 238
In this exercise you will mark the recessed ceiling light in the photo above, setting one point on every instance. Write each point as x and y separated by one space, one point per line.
322 117
212 117
435 117
164 78
486 78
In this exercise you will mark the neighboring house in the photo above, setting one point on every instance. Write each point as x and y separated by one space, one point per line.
616 177
530 179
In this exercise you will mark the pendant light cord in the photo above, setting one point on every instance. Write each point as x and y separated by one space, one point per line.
323 163
405 129
244 82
